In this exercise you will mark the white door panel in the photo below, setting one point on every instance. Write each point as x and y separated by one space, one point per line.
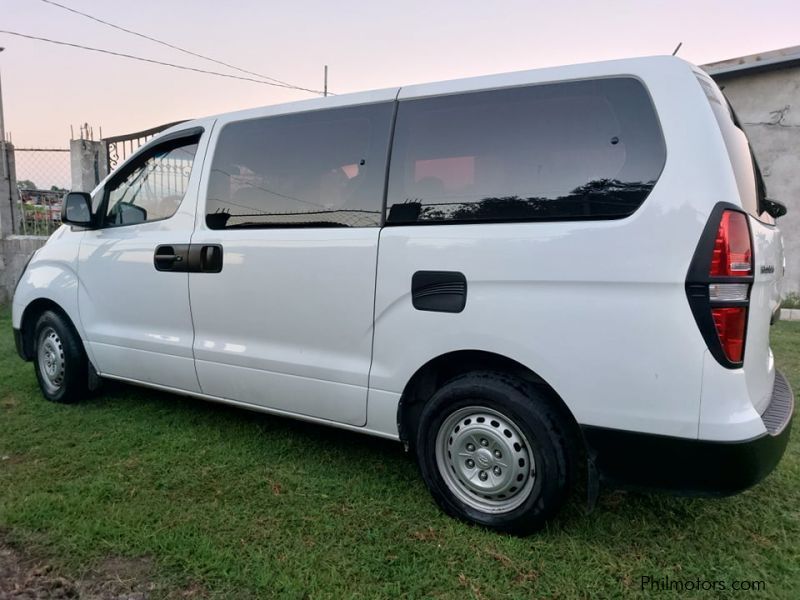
137 318
297 302
295 203
337 402
127 306
119 282
149 367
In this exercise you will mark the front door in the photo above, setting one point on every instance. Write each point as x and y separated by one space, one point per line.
135 308
294 205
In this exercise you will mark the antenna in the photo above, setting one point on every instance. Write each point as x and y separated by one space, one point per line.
678 47
325 93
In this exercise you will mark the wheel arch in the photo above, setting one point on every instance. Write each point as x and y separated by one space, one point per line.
441 369
30 315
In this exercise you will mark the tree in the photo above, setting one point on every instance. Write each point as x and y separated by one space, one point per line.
26 184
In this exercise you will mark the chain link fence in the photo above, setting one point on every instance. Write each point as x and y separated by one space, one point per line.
43 178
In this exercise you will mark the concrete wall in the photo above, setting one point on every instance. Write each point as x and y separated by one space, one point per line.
14 252
9 211
88 164
768 105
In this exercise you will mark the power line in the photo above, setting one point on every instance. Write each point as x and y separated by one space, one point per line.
174 47
149 60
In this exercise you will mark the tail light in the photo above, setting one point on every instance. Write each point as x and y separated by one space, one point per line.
732 253
719 281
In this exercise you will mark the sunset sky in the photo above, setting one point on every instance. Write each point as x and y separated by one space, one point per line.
368 45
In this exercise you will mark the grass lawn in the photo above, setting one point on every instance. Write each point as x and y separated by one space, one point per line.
218 502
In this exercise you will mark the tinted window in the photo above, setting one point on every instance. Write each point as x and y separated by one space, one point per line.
749 180
152 187
577 150
316 169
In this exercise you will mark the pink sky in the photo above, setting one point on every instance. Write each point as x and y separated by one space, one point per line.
367 45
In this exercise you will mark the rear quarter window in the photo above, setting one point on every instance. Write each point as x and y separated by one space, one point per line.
567 151
749 181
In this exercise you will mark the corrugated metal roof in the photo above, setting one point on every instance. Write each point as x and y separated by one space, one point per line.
763 61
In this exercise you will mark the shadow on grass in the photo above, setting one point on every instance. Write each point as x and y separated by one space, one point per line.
348 447
222 414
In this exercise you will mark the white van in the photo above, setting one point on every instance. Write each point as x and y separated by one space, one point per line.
523 277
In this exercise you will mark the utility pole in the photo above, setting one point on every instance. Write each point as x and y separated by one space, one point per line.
325 92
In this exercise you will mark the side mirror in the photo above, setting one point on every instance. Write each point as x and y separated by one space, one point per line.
774 208
77 209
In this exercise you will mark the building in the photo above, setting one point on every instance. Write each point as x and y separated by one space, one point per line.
764 90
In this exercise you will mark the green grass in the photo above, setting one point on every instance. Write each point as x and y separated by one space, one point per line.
246 505
791 300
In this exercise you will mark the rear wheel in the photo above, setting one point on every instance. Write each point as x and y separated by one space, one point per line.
493 451
60 361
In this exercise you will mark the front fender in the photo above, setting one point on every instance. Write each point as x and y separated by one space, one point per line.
51 275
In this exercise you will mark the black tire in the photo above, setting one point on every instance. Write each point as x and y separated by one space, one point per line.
59 338
552 453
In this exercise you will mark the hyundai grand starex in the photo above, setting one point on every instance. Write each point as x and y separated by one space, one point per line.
530 279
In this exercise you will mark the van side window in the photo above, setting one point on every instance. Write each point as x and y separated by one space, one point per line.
322 168
576 150
152 188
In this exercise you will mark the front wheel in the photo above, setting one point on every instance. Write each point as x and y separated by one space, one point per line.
60 361
493 451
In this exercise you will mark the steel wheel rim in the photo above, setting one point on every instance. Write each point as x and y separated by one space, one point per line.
51 361
485 459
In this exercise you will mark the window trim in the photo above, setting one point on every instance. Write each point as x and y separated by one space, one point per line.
172 140
388 169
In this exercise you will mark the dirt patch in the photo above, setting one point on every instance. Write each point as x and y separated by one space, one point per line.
23 577
11 459
118 578
426 535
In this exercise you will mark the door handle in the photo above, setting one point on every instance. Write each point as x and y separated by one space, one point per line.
171 257
205 258
211 259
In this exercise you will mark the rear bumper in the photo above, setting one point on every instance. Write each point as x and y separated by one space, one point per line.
694 467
